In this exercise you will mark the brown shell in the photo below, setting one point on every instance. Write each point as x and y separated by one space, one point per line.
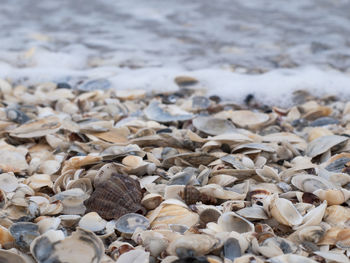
191 195
115 197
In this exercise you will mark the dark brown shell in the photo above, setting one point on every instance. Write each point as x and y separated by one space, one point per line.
191 195
115 197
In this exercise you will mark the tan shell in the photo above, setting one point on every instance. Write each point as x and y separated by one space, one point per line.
151 201
333 196
284 212
337 215
250 119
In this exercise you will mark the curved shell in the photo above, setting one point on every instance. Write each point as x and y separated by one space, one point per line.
213 126
8 182
285 212
310 183
93 222
337 215
115 197
166 113
230 221
128 223
323 144
7 256
250 119
167 214
81 246
333 196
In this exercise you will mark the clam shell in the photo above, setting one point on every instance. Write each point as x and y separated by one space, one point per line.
333 256
151 201
250 119
8 256
231 221
291 258
128 223
81 246
323 144
311 183
333 196
37 128
8 182
134 256
5 236
24 233
161 113
337 215
213 126
93 222
285 212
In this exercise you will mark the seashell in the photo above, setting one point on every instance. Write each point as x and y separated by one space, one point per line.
128 223
284 211
69 220
37 181
183 178
72 201
48 223
222 180
151 201
9 256
17 116
318 132
268 174
92 222
310 183
310 234
37 128
153 241
8 182
249 119
134 256
333 196
323 144
24 233
337 162
118 248
49 167
184 159
232 249
332 256
95 84
213 126
165 113
230 221
254 212
192 244
216 191
191 195
290 258
176 213
209 214
133 94
81 246
337 215
248 258
5 237
343 239
314 216
115 197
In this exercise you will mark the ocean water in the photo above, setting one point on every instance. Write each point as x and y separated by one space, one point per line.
233 47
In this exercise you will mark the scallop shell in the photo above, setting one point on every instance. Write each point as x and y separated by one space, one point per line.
115 197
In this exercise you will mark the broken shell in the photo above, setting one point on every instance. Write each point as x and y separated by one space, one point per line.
230 221
8 256
128 223
192 195
8 182
93 222
337 215
284 212
37 181
5 237
153 241
81 246
314 216
115 197
24 233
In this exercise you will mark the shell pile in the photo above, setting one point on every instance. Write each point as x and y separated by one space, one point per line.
126 176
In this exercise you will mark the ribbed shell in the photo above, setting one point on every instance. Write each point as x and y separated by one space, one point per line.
115 197
191 195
